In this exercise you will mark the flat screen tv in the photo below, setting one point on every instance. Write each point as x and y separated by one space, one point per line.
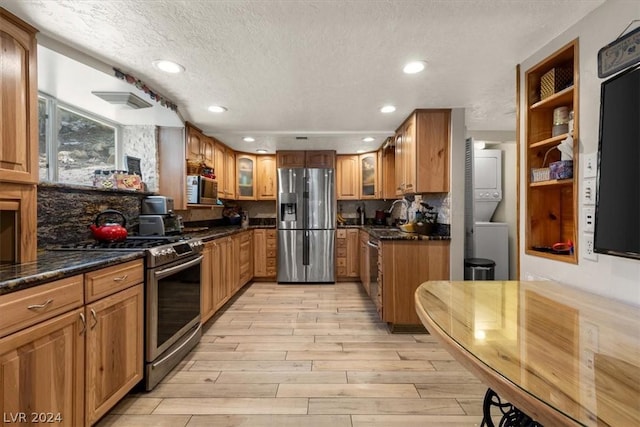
617 224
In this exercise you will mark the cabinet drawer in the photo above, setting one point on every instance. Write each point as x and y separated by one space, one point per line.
341 252
271 235
341 234
341 243
341 271
271 243
341 262
107 281
30 306
272 253
271 262
271 272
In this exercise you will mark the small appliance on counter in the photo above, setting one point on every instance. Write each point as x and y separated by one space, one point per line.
157 217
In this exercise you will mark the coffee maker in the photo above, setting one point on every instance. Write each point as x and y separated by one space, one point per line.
157 217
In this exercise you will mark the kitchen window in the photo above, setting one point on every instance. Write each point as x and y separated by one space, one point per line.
74 143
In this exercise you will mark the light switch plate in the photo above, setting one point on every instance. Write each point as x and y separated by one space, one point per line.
589 219
590 168
589 191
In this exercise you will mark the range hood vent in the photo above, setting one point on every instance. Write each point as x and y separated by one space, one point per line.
125 99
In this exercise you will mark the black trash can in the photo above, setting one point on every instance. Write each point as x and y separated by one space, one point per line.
479 269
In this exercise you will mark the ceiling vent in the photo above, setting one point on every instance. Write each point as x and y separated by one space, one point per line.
125 99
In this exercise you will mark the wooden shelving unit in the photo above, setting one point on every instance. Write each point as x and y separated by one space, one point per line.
551 211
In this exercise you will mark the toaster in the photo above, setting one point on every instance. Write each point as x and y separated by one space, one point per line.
160 225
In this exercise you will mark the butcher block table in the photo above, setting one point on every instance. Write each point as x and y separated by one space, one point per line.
550 354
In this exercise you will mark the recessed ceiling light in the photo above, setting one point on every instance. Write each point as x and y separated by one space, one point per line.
217 109
360 151
261 150
414 67
168 66
368 139
388 109
248 139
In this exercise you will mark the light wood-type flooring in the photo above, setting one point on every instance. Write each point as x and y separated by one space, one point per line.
309 356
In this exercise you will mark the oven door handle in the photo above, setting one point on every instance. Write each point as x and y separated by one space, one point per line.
169 271
373 245
168 356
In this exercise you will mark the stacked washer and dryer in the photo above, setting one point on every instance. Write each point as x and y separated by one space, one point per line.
490 240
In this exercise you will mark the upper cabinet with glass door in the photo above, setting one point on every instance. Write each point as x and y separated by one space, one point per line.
19 102
368 176
246 165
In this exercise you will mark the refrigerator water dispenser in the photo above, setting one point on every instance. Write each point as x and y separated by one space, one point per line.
288 206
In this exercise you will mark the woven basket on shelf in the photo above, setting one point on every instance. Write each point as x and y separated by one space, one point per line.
555 80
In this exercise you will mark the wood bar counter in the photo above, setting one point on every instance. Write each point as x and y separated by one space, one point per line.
559 355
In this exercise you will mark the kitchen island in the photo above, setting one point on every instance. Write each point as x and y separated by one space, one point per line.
559 355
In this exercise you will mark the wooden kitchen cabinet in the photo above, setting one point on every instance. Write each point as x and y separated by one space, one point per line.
246 177
114 350
405 265
347 253
200 147
422 152
230 175
267 186
18 206
347 174
290 159
206 285
42 370
245 256
306 159
114 335
265 253
357 176
320 159
368 175
19 101
363 270
220 270
387 170
551 211
220 167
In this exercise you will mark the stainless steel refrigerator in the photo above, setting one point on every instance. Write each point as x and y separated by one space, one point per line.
306 225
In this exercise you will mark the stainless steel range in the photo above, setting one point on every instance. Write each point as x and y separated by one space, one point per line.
172 297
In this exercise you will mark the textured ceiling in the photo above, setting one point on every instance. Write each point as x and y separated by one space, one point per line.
320 69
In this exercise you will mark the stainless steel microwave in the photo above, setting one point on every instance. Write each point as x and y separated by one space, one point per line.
201 190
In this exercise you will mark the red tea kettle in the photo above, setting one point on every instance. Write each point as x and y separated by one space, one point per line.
109 231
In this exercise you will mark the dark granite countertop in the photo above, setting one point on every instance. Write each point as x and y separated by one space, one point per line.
441 232
222 231
54 265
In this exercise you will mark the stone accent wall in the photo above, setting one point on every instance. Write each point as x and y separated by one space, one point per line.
65 212
142 142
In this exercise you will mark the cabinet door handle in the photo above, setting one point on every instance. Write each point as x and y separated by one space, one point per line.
84 324
95 318
39 306
121 278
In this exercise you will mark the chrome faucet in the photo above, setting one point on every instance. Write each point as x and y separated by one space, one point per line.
406 204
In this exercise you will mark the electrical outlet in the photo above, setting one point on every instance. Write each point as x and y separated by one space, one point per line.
590 165
587 248
589 192
589 219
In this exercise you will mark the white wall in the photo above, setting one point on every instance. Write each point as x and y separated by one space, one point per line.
456 250
615 277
